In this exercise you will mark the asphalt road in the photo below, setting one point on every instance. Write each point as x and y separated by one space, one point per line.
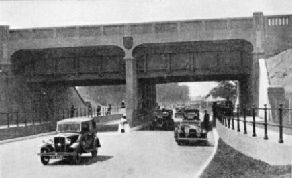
136 154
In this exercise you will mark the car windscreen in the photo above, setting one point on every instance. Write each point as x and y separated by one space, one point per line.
68 127
190 115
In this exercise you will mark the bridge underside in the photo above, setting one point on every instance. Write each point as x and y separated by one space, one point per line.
152 64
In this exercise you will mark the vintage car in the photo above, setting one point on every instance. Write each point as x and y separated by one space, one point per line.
73 137
163 120
191 114
190 131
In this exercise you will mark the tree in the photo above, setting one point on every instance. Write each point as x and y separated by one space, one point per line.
172 93
225 89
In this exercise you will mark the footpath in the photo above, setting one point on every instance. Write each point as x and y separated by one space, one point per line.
116 122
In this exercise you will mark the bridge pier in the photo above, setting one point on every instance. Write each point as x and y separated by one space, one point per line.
131 90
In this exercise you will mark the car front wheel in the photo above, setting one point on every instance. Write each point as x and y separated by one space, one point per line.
45 159
77 158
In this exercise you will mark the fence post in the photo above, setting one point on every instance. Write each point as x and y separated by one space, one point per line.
25 122
253 121
280 123
232 117
17 119
40 119
33 120
266 123
8 120
228 119
244 119
238 123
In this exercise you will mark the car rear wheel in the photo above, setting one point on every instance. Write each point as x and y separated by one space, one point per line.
94 152
45 159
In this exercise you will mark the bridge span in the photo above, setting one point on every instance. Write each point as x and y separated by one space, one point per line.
46 61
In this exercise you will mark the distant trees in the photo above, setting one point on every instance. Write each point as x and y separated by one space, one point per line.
105 95
172 93
224 89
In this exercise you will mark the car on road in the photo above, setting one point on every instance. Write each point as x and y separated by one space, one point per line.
190 130
163 120
73 137
191 114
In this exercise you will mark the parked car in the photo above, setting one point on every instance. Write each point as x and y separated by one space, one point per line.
190 131
73 137
163 120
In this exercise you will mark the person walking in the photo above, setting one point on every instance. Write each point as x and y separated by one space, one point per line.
72 111
206 121
109 109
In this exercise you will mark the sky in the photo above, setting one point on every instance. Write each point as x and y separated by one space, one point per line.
54 13
45 13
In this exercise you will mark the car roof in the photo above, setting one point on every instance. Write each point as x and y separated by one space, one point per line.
75 120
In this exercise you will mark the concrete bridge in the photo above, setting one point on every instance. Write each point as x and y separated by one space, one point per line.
141 55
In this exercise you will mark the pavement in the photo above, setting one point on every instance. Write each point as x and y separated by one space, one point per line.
51 133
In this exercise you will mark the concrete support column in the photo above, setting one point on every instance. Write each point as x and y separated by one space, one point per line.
258 52
254 79
5 58
131 89
245 96
5 70
147 95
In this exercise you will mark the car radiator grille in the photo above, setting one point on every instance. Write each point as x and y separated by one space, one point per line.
59 143
192 133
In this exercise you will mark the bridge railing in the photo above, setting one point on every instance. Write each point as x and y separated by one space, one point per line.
234 117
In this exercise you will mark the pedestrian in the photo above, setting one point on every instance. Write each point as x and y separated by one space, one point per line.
109 109
98 108
206 120
90 110
229 107
72 111
123 105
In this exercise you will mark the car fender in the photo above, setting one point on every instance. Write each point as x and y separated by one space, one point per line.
96 141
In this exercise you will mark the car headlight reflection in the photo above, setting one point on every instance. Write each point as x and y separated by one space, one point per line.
68 141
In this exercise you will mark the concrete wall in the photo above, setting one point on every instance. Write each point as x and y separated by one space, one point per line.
257 148
18 96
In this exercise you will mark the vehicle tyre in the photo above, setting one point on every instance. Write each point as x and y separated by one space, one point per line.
206 143
45 159
178 142
94 153
77 158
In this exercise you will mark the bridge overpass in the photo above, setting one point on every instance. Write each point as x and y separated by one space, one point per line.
141 55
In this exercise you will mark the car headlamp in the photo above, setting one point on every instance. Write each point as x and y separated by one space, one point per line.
68 140
50 141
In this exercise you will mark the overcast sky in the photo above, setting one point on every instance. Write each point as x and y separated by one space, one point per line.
41 13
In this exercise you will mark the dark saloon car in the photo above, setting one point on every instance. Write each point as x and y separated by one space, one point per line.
191 114
73 137
163 120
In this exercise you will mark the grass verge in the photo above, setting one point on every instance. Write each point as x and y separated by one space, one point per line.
229 162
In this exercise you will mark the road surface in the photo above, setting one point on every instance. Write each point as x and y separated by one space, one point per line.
136 154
